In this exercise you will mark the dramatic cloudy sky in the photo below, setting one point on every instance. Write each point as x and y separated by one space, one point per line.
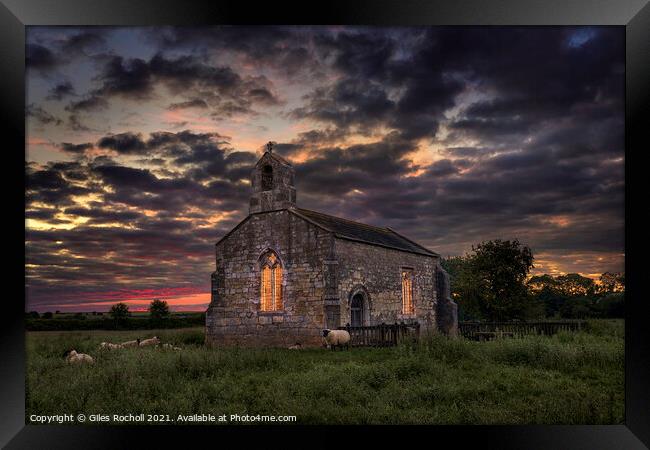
140 142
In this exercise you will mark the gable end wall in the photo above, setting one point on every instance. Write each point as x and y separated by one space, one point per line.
234 315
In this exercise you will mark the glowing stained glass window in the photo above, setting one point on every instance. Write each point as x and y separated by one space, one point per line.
271 284
407 292
277 287
267 290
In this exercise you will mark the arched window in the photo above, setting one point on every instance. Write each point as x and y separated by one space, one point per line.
271 295
407 292
267 178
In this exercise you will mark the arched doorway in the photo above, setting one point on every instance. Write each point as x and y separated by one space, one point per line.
356 310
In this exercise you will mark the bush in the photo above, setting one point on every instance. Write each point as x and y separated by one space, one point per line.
158 310
606 327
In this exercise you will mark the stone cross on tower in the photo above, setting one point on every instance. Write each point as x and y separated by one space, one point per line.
269 146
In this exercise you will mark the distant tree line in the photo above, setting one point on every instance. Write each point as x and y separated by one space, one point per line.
493 282
118 317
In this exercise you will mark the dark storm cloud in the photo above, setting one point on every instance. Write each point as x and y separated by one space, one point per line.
39 57
45 57
41 115
286 49
75 124
361 54
126 78
127 178
90 103
124 143
195 103
202 154
220 88
61 90
84 42
184 71
103 216
50 187
529 93
337 171
257 41
372 74
348 103
73 171
76 148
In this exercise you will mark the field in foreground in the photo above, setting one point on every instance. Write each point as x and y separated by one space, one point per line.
569 378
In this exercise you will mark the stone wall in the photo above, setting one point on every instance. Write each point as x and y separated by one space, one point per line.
376 272
234 315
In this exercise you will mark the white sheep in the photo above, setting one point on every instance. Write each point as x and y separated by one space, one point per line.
336 338
73 357
134 343
147 342
109 346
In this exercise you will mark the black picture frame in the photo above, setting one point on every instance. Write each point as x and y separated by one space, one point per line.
634 15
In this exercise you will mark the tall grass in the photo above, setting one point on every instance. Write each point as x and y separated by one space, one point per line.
569 378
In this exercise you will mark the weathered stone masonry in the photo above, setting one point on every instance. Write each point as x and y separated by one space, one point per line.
377 271
234 314
326 263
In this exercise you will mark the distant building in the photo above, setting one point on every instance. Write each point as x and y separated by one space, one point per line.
284 273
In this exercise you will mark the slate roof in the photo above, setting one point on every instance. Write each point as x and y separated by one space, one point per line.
356 231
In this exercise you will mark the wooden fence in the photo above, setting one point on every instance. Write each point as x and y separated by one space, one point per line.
383 335
478 330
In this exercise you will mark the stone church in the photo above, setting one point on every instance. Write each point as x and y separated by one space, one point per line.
284 273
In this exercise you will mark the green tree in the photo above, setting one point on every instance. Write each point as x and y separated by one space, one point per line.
611 305
158 310
575 285
500 268
611 282
546 291
47 315
120 313
490 282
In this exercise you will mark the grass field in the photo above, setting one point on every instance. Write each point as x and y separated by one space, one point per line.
570 378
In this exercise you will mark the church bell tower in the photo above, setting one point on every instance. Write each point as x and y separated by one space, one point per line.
272 182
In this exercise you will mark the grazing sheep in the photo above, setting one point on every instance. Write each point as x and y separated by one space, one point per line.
296 346
73 357
336 338
109 346
147 342
131 343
